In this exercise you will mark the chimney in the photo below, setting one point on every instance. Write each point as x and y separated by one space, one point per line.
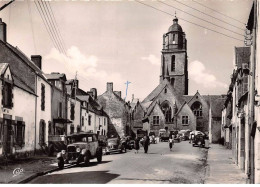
133 96
110 86
118 93
94 91
37 60
2 30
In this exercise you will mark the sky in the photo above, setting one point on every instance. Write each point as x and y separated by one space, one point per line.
120 41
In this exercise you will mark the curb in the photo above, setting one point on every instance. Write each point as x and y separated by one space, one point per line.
28 179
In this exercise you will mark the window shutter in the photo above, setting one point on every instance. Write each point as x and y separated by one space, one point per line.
14 127
23 133
3 92
40 134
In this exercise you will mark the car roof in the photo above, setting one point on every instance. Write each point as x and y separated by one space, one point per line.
82 133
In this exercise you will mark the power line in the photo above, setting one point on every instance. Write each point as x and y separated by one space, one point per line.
208 15
64 44
45 24
50 26
55 30
200 18
30 14
218 12
189 21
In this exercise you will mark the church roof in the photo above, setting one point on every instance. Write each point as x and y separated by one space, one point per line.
152 96
175 27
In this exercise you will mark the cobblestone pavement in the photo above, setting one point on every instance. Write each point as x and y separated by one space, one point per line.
184 164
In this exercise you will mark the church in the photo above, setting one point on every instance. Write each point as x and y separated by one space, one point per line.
169 106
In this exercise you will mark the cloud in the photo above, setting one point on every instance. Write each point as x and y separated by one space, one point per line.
199 74
152 59
89 73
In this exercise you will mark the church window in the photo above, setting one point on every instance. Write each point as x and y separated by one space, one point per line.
173 39
167 111
173 63
185 120
155 120
165 91
197 109
172 81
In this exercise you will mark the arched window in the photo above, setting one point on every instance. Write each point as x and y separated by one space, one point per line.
167 111
173 63
196 107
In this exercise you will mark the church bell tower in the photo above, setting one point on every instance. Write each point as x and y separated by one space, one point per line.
174 63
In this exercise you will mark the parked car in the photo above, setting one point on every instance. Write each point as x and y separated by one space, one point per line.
115 145
163 135
81 148
199 140
152 138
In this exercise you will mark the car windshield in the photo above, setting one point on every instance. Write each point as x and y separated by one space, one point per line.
112 140
79 138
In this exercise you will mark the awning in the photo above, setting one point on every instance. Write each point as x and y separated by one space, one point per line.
61 120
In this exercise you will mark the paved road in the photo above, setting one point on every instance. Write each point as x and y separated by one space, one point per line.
184 164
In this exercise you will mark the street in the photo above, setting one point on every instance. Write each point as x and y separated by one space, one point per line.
184 164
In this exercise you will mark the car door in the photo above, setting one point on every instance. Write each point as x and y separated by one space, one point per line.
91 143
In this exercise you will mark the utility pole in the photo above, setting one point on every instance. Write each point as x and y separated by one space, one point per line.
252 99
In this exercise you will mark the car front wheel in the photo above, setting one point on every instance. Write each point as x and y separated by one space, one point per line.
86 159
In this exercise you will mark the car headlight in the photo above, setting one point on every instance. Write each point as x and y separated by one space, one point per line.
63 152
78 149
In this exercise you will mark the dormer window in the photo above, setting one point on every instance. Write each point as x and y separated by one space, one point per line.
7 95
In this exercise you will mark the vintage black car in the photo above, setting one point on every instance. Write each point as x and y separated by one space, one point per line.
81 148
199 140
115 145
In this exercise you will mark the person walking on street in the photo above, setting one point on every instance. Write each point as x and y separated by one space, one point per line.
191 137
137 146
170 142
146 143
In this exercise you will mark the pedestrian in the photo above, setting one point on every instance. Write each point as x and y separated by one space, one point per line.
146 143
170 142
137 146
191 137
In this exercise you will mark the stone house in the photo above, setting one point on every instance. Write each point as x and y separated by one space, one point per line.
28 74
17 124
117 110
59 101
90 115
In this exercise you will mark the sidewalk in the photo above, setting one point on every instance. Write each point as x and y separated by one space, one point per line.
221 167
30 168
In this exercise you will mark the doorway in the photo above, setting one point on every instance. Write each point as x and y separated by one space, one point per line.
8 132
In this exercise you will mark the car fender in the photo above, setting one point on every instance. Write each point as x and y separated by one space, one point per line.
83 151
